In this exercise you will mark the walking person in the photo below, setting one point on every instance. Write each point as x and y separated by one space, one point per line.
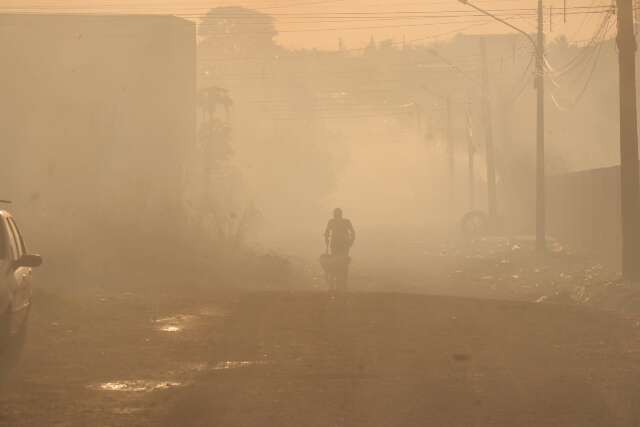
339 236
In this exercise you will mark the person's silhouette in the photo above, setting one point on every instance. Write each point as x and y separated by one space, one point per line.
339 234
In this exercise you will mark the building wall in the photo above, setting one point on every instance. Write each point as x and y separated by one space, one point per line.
584 212
97 120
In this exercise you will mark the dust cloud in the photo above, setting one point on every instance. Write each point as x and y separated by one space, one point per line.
438 230
217 135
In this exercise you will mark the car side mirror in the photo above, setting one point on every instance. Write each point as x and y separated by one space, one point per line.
31 260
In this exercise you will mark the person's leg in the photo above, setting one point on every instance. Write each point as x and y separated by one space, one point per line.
340 255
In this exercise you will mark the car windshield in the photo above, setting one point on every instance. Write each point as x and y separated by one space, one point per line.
18 237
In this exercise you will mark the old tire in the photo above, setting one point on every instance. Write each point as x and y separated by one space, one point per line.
475 224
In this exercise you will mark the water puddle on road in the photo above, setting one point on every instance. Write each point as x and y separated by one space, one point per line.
176 323
135 386
170 328
180 322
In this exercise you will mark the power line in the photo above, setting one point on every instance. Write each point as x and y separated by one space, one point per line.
584 54
325 15
591 72
525 80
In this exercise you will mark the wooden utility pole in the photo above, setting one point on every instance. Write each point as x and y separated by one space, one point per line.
636 16
540 168
488 134
629 186
541 205
471 152
451 157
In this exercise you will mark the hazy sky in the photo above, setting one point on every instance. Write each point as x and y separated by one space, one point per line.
321 23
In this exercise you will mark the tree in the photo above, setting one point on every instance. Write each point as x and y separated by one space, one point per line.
214 133
237 31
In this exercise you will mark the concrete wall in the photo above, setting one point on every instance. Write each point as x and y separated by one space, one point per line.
97 120
584 212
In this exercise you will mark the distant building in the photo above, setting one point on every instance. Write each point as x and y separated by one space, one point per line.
97 123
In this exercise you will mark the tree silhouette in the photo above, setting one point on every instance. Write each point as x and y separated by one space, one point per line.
236 31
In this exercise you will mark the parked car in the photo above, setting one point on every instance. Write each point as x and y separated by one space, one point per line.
16 265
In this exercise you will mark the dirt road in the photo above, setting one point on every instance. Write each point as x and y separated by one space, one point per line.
305 359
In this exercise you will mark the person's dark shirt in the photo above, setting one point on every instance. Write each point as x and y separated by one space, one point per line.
339 232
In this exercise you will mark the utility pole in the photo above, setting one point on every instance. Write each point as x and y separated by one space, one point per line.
492 201
209 112
538 45
636 17
541 205
506 118
451 157
629 186
471 151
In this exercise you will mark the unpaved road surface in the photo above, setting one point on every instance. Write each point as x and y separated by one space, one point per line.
198 358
